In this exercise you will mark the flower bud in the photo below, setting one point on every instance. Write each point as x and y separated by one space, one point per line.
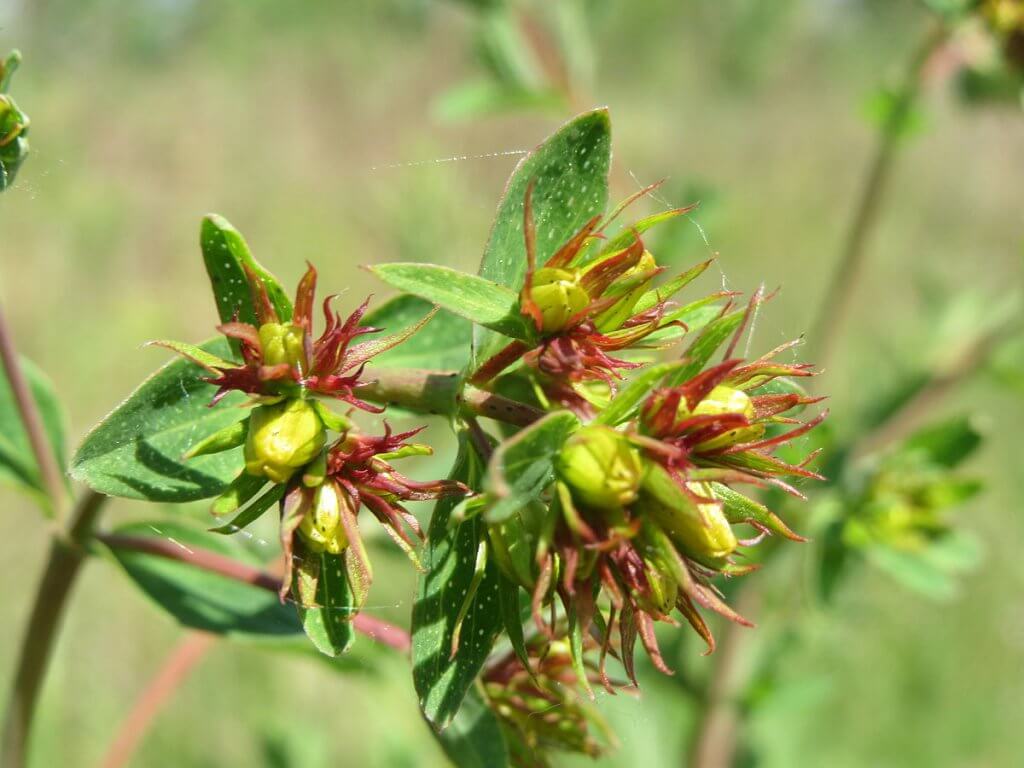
321 526
283 343
601 468
559 297
282 438
722 400
700 530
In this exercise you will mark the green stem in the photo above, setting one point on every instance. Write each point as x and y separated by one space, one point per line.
427 391
836 304
67 553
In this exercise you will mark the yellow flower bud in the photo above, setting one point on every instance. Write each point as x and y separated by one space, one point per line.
559 296
633 284
722 400
700 530
282 438
321 526
283 343
601 468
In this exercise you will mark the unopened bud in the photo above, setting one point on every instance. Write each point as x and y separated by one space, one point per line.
283 343
632 285
699 529
321 526
282 438
559 297
601 468
725 400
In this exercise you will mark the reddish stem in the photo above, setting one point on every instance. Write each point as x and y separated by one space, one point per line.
374 628
160 689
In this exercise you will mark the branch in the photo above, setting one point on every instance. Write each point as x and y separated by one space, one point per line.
374 628
437 392
837 300
65 559
174 670
49 471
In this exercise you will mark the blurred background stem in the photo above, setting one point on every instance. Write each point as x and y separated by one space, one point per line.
837 301
67 552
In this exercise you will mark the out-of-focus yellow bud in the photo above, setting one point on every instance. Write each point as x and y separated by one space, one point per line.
722 400
283 343
700 530
321 526
559 296
282 438
601 468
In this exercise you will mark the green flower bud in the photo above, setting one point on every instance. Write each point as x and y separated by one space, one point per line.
559 296
700 530
723 400
283 343
321 526
601 468
282 438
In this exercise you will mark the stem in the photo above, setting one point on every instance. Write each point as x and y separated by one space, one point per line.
49 471
65 559
374 628
716 739
837 301
160 689
437 392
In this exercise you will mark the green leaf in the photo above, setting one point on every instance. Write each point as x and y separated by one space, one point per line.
474 738
914 571
442 681
198 598
327 604
947 443
570 175
523 467
624 404
512 607
225 254
443 343
468 296
136 451
18 465
253 512
700 352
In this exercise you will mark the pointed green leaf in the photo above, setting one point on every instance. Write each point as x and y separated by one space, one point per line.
198 598
327 605
253 512
570 175
442 681
225 254
443 343
523 467
947 443
474 298
18 465
136 451
623 406
711 338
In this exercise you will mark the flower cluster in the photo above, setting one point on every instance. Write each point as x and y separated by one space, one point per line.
644 514
590 302
289 376
13 126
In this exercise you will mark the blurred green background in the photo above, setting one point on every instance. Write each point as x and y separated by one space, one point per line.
314 127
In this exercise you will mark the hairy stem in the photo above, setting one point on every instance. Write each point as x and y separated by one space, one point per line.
426 391
174 670
49 471
374 628
65 559
835 307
